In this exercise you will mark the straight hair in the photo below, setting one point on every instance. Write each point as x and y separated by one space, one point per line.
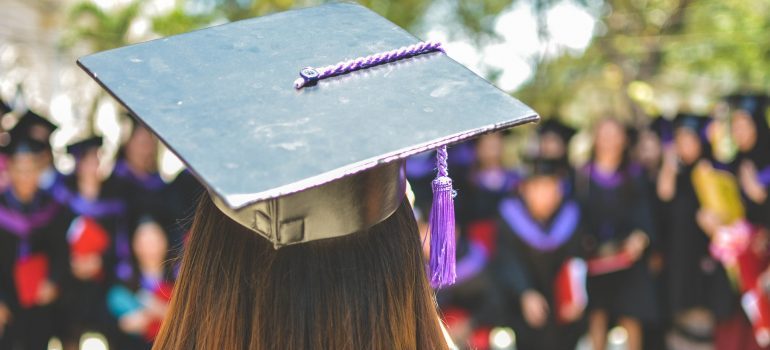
367 290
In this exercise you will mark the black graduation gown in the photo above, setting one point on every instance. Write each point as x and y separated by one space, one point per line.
85 300
37 228
694 278
142 195
529 257
613 206
488 188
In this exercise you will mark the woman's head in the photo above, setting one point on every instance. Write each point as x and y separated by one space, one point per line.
648 149
542 195
141 149
360 291
688 145
610 139
24 170
749 127
744 130
489 149
88 164
150 244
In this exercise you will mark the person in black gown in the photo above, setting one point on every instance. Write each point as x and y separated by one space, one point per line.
751 167
34 256
490 181
553 140
648 153
619 227
140 302
38 128
698 291
136 175
539 233
101 228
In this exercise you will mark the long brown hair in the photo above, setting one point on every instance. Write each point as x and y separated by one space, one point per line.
367 290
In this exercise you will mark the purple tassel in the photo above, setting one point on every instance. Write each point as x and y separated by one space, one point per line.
442 226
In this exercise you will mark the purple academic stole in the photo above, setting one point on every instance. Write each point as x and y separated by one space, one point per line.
565 223
472 263
151 182
21 224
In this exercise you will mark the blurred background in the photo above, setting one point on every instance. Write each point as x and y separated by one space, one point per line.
647 65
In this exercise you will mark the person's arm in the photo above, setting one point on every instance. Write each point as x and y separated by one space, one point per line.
643 228
666 184
751 181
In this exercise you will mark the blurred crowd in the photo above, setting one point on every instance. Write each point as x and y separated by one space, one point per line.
662 231
85 252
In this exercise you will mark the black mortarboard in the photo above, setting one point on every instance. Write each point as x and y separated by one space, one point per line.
540 166
754 104
81 147
662 127
553 125
31 119
21 144
295 163
693 122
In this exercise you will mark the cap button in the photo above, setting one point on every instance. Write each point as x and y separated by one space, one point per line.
310 75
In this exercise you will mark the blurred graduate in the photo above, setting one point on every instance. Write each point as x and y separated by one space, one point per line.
618 227
34 260
697 289
98 240
539 261
140 302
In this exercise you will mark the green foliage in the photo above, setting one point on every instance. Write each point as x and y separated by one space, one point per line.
650 51
405 13
101 30
177 21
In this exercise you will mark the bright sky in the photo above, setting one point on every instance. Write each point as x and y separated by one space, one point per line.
570 29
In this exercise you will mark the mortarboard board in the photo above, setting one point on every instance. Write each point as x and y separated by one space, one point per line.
79 148
321 159
553 125
541 166
662 127
21 144
30 120
693 122
754 104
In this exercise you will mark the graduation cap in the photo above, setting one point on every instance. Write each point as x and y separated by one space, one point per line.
536 164
79 148
662 127
29 121
553 125
754 104
319 156
22 144
693 122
